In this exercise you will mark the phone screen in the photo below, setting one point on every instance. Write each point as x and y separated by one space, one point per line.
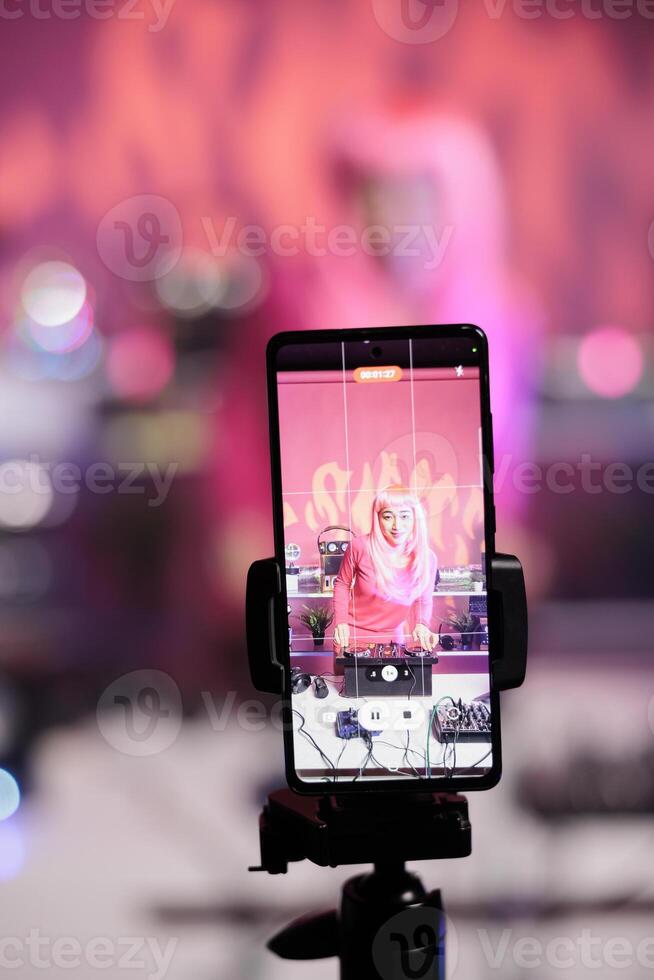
384 514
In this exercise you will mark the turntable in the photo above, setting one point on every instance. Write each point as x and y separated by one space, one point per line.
416 651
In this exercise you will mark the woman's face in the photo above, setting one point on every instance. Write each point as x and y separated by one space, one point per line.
396 524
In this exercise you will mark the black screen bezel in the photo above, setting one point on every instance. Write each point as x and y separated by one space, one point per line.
465 333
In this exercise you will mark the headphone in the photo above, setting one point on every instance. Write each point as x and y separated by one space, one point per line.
446 641
333 547
299 680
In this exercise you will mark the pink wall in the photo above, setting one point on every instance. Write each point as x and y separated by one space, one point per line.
379 451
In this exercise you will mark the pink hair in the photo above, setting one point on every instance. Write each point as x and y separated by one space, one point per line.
402 585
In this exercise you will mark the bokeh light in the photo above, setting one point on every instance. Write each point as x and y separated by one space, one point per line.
30 362
9 795
193 286
162 437
73 365
610 361
140 363
53 293
62 337
12 850
246 284
26 494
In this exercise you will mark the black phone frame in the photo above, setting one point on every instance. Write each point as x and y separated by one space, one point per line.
276 621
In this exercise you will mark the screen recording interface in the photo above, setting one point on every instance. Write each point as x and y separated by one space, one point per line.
384 550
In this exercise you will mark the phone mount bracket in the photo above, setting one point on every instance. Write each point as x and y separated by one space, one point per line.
265 624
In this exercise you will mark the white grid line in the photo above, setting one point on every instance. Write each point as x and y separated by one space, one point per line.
349 499
435 486
413 410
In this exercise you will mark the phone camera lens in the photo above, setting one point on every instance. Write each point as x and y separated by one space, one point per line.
376 352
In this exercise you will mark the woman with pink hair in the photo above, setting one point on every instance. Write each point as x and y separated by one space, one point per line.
387 577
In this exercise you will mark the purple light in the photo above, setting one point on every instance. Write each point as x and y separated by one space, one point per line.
63 337
12 849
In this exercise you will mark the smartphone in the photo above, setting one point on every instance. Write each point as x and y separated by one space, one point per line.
384 523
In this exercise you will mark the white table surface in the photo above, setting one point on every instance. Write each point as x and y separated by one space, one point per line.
390 745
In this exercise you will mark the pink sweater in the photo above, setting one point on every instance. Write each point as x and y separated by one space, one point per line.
369 615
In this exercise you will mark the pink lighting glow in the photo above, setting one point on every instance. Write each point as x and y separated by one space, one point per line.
610 361
140 363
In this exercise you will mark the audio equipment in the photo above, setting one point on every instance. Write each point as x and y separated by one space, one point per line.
461 722
321 688
300 681
309 578
416 651
446 640
292 553
331 555
347 725
386 669
385 651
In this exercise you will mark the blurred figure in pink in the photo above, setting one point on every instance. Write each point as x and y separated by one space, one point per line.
424 195
420 198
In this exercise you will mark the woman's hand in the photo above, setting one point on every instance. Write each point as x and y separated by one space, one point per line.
342 635
424 637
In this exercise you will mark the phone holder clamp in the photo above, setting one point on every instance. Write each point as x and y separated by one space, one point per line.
265 624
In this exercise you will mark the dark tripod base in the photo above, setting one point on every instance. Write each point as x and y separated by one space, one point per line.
388 927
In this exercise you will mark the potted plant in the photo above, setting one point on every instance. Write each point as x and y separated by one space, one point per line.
471 630
317 619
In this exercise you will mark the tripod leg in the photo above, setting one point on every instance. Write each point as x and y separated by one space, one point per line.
312 937
390 929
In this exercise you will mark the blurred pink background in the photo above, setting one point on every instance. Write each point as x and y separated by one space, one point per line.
203 175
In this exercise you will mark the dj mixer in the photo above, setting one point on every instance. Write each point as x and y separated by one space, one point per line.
386 669
462 722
